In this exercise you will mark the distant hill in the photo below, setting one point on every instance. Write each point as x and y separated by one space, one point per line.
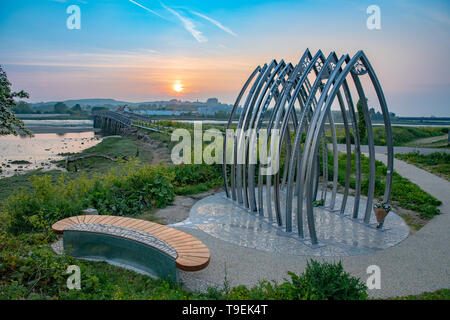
48 106
210 107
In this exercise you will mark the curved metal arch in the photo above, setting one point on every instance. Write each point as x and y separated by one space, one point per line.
239 125
230 121
301 171
254 124
241 169
286 96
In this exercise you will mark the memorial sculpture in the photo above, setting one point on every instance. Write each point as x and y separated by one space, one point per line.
292 103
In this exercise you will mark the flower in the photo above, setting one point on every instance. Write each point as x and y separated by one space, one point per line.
383 205
381 211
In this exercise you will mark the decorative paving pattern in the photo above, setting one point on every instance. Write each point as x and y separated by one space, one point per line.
127 233
339 235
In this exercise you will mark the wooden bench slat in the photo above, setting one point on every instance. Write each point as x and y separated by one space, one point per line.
153 228
122 222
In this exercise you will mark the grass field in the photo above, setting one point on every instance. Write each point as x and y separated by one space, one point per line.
437 163
401 136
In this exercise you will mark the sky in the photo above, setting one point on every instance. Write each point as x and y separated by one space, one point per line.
145 50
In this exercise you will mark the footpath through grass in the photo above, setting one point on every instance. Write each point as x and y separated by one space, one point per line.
437 163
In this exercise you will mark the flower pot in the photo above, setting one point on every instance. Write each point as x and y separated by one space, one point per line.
381 214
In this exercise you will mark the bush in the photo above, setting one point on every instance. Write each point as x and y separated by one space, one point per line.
129 189
194 174
125 190
319 281
324 281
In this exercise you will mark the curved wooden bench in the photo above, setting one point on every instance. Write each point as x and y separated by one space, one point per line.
193 255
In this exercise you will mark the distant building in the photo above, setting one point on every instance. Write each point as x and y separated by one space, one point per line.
123 109
210 111
161 112
212 102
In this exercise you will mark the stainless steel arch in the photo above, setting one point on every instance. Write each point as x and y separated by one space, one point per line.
302 97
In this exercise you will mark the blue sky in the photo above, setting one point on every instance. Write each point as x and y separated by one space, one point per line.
128 52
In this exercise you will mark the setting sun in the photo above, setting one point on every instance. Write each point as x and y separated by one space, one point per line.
178 87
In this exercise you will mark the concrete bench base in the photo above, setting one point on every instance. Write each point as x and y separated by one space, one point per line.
120 251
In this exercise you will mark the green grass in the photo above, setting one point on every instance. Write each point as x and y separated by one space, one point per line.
111 147
401 136
437 163
404 193
443 294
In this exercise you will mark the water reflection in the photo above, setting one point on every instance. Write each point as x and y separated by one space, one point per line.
21 154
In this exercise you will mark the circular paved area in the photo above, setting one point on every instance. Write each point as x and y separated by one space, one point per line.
339 235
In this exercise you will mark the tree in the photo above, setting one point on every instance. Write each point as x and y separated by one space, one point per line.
8 121
97 109
361 121
23 107
76 109
60 107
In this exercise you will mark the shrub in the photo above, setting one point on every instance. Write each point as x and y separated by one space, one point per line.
324 281
129 189
319 281
196 173
125 190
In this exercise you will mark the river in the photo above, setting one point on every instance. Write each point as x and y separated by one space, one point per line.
20 154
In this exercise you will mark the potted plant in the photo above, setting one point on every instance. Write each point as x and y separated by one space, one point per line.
381 211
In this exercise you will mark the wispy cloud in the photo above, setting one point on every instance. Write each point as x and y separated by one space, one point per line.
149 10
188 25
217 23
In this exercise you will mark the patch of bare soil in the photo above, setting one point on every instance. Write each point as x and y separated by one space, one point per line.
413 219
180 208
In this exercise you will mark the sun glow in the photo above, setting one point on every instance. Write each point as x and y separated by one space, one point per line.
178 87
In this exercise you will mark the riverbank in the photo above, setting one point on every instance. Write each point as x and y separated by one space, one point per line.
115 147
20 155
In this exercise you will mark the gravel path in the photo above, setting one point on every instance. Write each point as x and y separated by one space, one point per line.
418 264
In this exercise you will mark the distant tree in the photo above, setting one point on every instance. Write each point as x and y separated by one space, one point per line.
97 109
361 121
60 107
23 107
9 123
76 109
